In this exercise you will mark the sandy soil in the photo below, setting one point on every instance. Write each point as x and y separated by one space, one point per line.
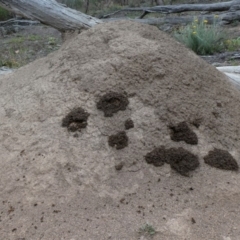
120 128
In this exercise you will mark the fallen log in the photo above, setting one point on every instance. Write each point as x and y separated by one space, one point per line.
51 13
222 19
167 9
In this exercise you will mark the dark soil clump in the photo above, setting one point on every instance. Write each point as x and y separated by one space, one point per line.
76 119
119 166
129 124
112 102
182 160
119 140
157 157
182 132
197 122
221 159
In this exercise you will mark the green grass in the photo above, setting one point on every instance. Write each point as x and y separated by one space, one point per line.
232 44
33 37
52 41
17 40
20 39
202 37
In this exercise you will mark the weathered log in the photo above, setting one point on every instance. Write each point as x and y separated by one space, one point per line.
222 19
156 21
223 6
51 13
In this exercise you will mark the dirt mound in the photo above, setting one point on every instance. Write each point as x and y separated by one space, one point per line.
71 169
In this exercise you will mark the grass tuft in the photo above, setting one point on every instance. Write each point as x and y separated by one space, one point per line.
201 37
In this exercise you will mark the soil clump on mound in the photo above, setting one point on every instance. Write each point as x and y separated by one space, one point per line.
98 185
221 159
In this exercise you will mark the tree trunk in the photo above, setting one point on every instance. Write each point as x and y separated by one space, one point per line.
51 13
87 6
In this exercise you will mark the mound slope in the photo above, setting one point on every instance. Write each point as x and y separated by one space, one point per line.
61 184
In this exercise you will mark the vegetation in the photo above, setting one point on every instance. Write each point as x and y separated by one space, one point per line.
4 14
147 230
22 49
201 37
232 44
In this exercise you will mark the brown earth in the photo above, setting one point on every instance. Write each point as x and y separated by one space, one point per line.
59 184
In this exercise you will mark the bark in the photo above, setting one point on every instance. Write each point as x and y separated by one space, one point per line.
51 13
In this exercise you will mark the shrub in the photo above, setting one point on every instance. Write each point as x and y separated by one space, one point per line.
201 37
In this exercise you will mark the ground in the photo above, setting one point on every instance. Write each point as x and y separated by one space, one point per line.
24 46
58 184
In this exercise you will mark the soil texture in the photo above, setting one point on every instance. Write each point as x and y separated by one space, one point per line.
56 185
